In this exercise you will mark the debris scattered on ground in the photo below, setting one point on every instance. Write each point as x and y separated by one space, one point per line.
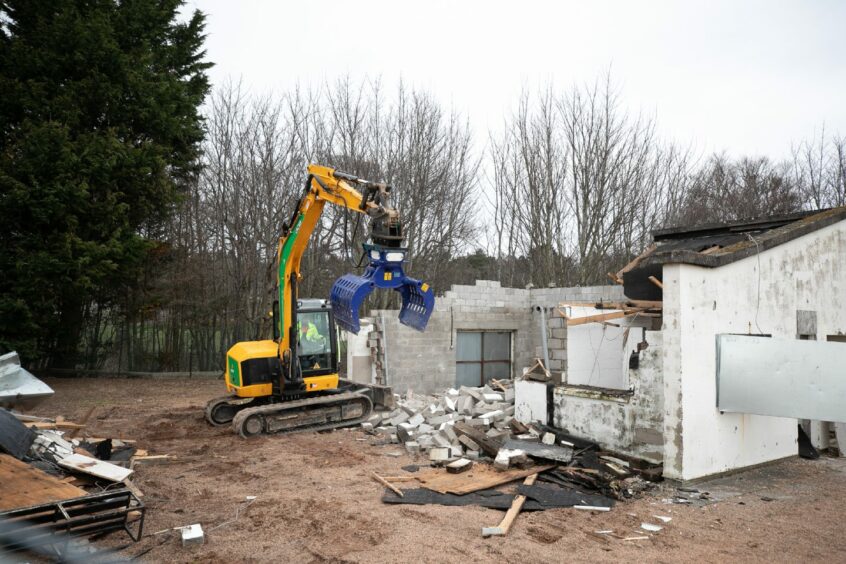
471 439
48 471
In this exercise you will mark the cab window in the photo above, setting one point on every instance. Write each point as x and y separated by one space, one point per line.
314 341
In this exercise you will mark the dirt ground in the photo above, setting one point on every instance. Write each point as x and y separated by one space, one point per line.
316 501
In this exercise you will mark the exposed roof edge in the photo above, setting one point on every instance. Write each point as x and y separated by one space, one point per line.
748 247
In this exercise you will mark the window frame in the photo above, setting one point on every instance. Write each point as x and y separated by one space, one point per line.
482 362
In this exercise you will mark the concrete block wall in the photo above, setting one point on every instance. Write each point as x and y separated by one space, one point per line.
425 362
632 424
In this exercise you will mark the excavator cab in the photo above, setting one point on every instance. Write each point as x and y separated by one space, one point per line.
317 346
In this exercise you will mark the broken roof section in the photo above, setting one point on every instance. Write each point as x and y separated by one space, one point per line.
718 244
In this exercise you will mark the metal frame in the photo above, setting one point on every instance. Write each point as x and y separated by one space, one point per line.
57 522
482 360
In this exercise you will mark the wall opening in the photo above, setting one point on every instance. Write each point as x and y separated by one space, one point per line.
482 356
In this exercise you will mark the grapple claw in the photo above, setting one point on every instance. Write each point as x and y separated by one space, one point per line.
384 271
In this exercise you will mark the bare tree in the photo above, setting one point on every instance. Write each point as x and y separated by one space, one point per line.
578 184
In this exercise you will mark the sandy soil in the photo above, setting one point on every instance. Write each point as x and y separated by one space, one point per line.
316 501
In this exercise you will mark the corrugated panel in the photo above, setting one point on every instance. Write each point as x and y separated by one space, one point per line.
781 377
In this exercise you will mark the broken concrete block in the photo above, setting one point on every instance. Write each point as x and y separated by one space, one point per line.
452 392
465 405
449 433
424 429
492 397
449 404
425 442
413 447
526 437
367 426
416 419
507 457
401 417
509 395
493 415
475 393
405 432
192 535
548 439
441 441
439 419
439 454
460 465
480 423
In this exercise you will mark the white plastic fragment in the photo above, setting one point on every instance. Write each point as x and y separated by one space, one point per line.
650 527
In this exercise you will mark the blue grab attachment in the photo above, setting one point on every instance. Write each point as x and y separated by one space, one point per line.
384 271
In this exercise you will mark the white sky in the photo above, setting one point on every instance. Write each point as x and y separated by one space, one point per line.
745 77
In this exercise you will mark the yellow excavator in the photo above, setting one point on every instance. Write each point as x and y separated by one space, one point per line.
291 383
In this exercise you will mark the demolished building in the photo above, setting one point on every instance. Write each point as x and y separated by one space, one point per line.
635 365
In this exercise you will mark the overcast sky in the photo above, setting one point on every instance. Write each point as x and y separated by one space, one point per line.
745 77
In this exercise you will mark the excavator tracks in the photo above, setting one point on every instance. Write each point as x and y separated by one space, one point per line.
222 410
313 414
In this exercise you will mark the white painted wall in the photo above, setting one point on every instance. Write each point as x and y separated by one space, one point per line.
807 273
597 354
358 362
530 401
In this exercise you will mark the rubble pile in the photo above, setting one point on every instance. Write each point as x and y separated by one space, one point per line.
427 425
469 425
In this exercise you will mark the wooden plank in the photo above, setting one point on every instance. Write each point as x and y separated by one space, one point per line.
637 260
94 467
22 485
656 282
489 445
56 425
387 484
510 515
480 477
710 250
573 321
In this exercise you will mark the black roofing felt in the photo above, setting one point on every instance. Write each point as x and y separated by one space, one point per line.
738 240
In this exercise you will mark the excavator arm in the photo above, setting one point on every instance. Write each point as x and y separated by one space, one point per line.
384 252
